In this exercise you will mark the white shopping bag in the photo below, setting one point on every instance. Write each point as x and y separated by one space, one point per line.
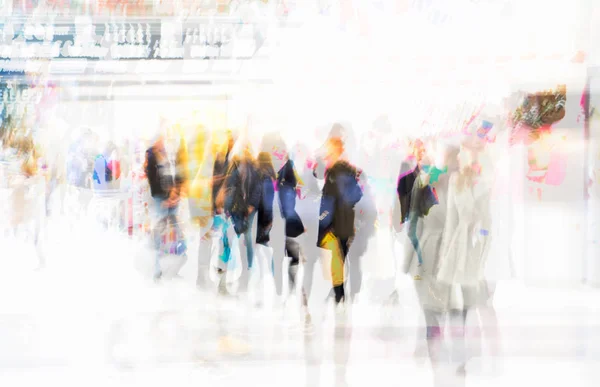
325 260
233 267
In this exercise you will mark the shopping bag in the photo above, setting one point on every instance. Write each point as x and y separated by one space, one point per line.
173 241
224 251
325 259
234 263
332 262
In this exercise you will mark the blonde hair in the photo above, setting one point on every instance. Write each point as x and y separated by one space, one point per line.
467 174
25 147
219 142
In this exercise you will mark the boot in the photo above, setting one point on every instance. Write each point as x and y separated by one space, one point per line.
339 293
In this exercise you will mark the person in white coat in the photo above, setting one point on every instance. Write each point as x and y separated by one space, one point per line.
434 297
466 239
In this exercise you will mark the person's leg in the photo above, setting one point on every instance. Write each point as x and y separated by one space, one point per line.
467 344
292 248
249 240
204 253
159 224
180 235
311 257
277 264
412 235
434 335
355 274
489 319
338 249
458 320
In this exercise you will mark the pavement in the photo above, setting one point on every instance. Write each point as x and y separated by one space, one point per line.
93 316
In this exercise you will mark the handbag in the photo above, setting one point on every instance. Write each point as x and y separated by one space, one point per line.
173 242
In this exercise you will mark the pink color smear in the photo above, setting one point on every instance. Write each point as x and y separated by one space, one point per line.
557 169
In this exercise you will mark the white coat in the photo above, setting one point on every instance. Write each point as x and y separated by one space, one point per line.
464 245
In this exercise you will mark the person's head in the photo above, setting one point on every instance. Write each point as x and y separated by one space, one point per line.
23 144
337 131
468 156
468 162
242 149
335 150
417 150
265 165
275 145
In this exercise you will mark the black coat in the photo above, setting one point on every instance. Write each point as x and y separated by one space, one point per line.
341 192
241 193
220 170
286 187
417 200
265 211
404 190
159 180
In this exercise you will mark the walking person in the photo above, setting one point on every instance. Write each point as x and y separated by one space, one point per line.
307 206
165 170
241 194
435 298
287 190
264 253
466 240
220 251
341 192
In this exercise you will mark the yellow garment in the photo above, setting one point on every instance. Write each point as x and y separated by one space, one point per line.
331 243
299 181
200 189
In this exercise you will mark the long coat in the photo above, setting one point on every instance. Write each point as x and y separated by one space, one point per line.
287 184
242 193
432 294
341 192
265 210
467 234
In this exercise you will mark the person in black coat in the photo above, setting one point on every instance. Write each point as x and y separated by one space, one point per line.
166 176
264 211
287 186
265 207
241 195
341 193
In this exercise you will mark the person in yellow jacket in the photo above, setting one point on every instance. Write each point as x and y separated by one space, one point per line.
199 190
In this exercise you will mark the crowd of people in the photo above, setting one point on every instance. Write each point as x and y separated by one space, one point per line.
281 204
266 213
